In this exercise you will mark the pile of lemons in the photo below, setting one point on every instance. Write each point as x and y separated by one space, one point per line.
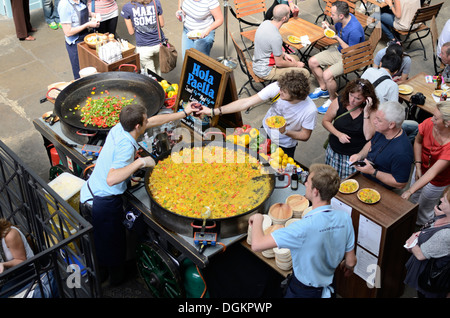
278 159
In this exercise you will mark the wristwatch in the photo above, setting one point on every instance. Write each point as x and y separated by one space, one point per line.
374 174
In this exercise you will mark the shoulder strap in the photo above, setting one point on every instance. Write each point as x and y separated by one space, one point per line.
381 79
157 22
347 112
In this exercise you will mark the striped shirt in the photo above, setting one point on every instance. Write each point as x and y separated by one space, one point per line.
198 15
107 8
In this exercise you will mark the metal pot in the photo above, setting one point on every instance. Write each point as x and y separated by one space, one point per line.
143 89
225 227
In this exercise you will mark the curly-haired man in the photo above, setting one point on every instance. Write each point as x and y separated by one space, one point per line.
289 96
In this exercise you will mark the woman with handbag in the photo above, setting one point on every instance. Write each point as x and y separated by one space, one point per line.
430 244
144 19
431 162
348 121
204 16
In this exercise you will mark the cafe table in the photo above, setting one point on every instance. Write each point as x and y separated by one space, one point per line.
381 3
297 27
419 84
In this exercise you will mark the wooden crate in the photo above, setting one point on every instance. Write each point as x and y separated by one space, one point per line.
88 57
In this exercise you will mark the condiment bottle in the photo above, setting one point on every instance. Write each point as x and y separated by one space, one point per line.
294 179
438 81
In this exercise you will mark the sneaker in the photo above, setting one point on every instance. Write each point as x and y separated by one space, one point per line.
323 109
53 26
318 92
59 25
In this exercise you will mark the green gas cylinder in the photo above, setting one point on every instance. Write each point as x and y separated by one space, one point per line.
194 285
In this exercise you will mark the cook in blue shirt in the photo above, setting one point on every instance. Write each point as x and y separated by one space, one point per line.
318 242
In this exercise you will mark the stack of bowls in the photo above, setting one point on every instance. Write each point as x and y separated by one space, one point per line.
280 213
298 203
283 258
269 253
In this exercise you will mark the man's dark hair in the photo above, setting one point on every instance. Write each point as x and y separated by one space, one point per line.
392 62
295 83
342 8
132 115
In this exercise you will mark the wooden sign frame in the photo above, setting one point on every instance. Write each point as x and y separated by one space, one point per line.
210 83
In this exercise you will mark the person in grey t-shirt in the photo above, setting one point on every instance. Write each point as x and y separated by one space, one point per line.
269 60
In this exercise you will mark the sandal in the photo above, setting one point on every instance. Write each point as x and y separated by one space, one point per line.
28 38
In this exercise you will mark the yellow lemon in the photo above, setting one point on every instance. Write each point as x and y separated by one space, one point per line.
291 161
274 164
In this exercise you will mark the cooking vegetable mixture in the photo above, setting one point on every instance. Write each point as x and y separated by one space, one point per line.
103 111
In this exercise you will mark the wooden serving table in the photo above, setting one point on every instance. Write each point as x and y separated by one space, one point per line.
381 230
419 84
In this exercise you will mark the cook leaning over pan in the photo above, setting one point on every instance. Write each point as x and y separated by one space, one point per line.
101 196
293 104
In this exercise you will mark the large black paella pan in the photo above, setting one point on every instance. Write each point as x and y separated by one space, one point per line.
225 226
127 85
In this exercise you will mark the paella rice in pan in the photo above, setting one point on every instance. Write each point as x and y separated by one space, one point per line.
227 186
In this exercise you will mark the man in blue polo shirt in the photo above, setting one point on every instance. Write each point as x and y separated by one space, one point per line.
101 196
319 242
348 32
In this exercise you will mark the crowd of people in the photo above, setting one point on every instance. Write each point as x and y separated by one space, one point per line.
366 123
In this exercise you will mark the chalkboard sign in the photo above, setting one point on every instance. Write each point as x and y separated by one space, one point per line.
206 81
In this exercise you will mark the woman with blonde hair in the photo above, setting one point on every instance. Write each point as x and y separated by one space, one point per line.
14 246
142 18
432 162
431 242
14 249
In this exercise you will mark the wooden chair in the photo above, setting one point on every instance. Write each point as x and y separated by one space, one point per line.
244 11
375 36
438 65
357 58
247 68
423 15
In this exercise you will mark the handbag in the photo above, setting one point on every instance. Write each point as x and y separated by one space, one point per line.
167 52
435 279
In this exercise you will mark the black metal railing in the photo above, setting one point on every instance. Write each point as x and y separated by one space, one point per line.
64 263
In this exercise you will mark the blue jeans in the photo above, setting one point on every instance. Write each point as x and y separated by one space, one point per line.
50 11
411 128
203 45
387 22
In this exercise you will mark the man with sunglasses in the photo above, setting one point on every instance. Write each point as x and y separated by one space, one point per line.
388 156
319 242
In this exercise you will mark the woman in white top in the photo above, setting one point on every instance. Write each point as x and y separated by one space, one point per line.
403 12
14 246
204 16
